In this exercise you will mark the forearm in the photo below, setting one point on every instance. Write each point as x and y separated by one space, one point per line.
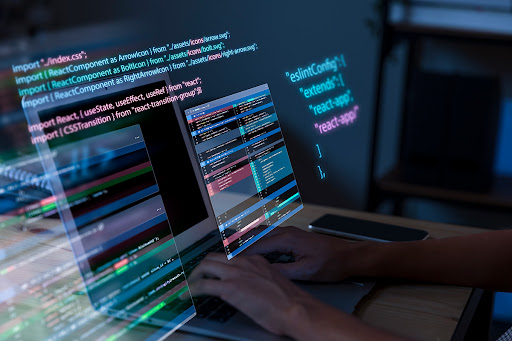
481 260
313 320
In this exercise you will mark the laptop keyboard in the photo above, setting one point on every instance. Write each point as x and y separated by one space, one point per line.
191 264
213 308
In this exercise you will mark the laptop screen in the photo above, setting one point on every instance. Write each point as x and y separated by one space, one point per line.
245 166
169 157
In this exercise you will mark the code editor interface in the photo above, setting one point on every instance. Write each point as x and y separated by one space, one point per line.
106 157
119 230
245 166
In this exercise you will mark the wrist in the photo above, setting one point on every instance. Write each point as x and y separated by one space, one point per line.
364 259
313 320
299 322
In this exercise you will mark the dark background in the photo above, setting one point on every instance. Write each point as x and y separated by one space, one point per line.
289 34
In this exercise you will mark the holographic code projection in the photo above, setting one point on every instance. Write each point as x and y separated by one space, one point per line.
40 285
106 112
327 96
63 74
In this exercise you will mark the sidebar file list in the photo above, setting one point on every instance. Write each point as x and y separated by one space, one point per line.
245 166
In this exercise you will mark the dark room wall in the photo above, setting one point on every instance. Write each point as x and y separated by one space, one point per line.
289 35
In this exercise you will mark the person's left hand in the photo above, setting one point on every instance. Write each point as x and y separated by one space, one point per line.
252 286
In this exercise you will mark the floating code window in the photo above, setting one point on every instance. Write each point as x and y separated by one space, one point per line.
118 198
119 231
245 166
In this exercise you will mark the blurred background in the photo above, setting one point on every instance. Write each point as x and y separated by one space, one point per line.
448 64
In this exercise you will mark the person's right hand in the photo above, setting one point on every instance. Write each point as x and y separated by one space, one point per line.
317 257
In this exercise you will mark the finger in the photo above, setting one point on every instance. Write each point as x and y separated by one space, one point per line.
240 261
257 232
210 287
277 242
211 268
217 257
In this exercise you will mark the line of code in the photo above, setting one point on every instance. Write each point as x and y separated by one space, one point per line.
328 97
70 71
102 113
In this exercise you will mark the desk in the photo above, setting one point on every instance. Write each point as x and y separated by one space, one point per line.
416 310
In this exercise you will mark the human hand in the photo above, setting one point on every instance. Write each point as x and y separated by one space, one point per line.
317 257
253 287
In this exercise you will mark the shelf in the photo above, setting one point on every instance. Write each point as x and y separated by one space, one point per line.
457 22
499 196
453 20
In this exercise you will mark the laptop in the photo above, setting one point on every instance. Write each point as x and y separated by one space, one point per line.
187 172
108 176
